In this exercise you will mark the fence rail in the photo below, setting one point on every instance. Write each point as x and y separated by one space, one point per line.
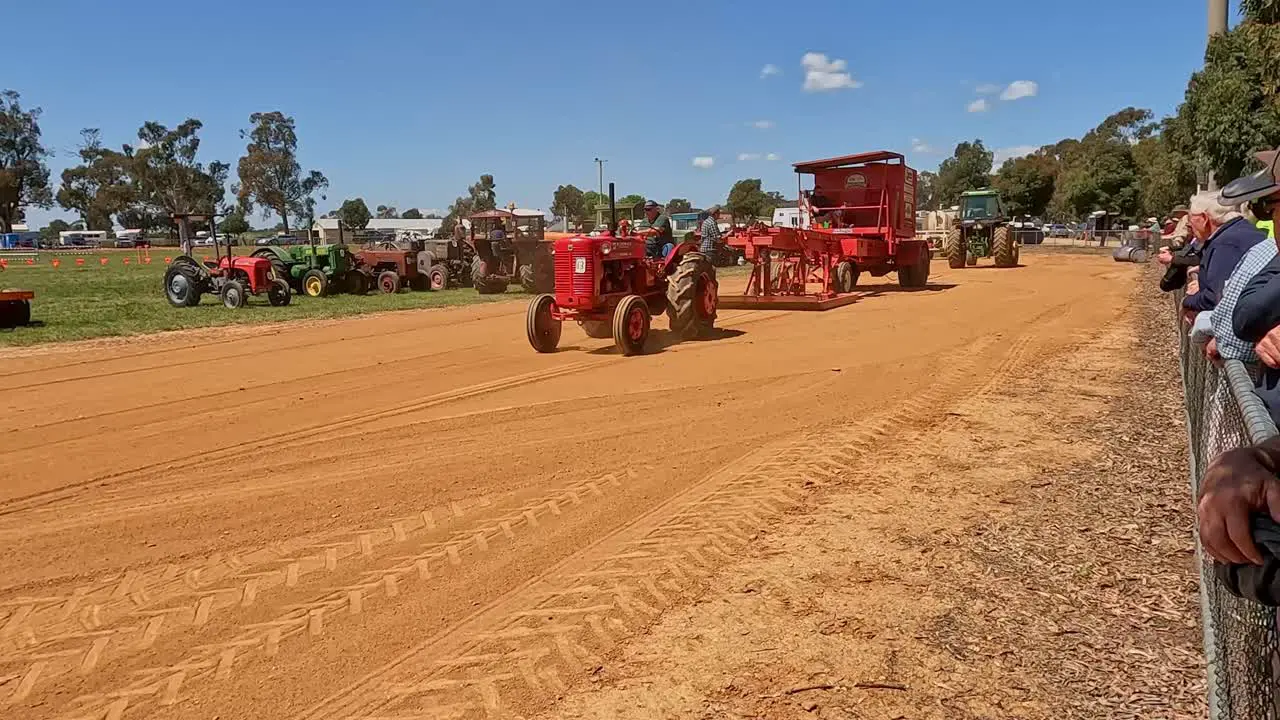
1240 641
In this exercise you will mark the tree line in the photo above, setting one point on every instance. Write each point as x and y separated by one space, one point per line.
1132 163
144 184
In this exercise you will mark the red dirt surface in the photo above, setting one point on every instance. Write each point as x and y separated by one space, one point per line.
415 515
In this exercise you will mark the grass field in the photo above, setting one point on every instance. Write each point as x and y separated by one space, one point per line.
77 303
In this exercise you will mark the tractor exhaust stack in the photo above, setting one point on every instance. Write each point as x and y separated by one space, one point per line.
613 212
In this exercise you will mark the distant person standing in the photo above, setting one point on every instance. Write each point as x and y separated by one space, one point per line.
710 231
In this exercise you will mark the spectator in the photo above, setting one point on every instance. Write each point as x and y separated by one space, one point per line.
1224 237
1215 329
710 230
1238 484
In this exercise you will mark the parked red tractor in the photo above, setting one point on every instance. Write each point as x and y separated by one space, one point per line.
609 286
231 278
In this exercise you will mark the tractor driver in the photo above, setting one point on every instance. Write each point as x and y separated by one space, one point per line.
661 240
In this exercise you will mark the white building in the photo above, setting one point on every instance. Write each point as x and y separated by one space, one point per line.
327 228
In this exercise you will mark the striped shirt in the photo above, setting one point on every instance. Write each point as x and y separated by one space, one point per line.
1231 347
710 235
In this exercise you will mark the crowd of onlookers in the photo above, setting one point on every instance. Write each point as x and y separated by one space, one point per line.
1221 252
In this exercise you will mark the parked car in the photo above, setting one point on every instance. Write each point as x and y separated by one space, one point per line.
1059 231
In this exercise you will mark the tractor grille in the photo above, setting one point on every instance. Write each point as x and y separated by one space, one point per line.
576 284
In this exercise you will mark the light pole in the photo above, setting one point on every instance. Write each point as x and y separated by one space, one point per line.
1217 26
600 164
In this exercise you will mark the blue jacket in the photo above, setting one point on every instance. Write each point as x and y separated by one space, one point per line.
1222 252
1257 312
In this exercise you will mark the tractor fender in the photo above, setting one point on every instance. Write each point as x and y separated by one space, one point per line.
426 259
188 260
673 258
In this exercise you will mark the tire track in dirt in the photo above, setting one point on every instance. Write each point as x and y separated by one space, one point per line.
392 576
554 628
529 646
71 490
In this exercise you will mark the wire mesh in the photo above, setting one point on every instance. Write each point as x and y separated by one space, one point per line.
1240 639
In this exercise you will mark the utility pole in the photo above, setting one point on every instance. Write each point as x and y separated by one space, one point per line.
1217 26
600 163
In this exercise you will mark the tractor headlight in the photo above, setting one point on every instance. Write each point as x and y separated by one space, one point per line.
606 248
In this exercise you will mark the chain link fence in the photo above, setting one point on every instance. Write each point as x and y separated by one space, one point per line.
1240 641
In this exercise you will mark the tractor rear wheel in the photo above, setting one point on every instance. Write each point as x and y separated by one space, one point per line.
484 281
357 283
14 314
279 293
182 285
692 296
846 277
438 277
541 326
233 294
22 313
954 247
315 283
1004 247
388 282
917 275
631 325
597 328
527 280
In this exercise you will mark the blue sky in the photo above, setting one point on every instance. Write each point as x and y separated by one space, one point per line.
406 103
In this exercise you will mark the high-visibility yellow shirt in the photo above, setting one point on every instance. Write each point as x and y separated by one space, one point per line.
1269 227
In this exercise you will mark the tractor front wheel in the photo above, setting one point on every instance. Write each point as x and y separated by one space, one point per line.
541 326
315 283
389 282
233 294
598 329
955 248
279 294
631 325
438 277
692 296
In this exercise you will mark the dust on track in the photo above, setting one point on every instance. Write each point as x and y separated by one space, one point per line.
409 496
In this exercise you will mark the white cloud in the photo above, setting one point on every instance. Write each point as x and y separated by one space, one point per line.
762 124
1019 89
769 70
920 146
979 105
771 157
822 74
1000 155
748 157
704 161
988 89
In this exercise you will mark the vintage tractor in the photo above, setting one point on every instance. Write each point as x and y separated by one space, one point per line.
511 245
231 278
609 286
982 231
317 270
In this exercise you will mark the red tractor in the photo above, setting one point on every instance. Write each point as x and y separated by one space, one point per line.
231 278
612 288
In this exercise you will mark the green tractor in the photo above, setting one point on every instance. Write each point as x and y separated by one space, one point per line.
317 270
982 230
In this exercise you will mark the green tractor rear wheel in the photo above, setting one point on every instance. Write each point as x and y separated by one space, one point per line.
955 249
315 283
1004 248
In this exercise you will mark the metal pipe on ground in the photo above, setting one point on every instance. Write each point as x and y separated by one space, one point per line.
1129 253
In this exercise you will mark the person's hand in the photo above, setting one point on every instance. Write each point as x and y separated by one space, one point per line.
1211 351
1165 257
1268 348
1238 483
1189 316
1193 283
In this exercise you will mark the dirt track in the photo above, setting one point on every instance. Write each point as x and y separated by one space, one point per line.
415 515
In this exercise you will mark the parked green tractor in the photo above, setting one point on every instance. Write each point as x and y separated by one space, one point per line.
317 270
982 231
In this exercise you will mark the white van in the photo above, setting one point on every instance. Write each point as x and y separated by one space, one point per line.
790 217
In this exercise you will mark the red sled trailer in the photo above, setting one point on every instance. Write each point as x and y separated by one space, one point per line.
858 217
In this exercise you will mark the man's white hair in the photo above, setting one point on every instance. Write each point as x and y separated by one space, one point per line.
1206 202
